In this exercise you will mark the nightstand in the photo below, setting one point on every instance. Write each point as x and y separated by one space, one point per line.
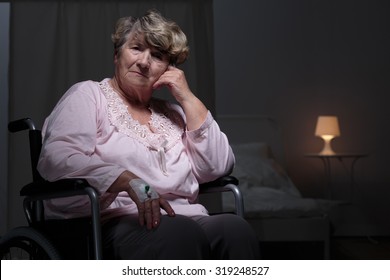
326 159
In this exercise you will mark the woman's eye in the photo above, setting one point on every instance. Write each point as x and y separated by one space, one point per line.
135 48
157 55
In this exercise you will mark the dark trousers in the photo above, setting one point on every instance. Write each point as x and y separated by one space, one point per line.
224 236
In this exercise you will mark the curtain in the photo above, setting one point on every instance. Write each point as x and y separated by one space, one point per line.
55 44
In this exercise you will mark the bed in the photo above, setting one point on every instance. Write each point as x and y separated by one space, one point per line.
273 204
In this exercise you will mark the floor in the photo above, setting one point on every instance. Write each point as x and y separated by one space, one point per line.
361 248
341 248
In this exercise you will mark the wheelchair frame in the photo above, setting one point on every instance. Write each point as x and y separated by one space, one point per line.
33 240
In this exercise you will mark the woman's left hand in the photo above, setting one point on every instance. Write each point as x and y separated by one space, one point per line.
175 80
194 109
149 212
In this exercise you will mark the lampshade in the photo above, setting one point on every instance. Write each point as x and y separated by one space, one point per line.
327 125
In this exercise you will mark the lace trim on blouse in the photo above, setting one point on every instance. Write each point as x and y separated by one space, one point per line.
166 128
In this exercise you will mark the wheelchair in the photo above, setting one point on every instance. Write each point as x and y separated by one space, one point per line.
50 238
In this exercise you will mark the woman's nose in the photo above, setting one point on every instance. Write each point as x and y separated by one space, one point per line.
144 59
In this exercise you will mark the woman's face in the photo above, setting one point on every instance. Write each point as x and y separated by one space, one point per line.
138 66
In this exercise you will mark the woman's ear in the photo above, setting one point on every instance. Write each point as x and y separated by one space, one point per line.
115 58
116 55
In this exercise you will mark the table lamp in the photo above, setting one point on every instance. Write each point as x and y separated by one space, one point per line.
327 128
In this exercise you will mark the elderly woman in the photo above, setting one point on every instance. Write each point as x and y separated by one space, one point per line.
145 156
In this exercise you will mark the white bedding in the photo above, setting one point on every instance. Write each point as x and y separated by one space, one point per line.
267 189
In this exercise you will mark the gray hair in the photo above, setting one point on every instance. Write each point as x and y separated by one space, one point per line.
160 33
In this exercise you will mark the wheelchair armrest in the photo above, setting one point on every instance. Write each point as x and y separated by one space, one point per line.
225 184
220 182
42 190
61 188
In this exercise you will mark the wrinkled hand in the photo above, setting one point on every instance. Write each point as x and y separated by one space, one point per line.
175 80
149 211
194 109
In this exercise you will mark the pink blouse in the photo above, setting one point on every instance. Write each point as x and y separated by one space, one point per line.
91 135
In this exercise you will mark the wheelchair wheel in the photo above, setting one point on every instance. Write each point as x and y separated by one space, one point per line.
26 243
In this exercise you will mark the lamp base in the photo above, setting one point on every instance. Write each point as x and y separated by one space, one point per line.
327 150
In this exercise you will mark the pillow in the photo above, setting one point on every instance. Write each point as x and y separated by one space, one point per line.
252 149
266 187
255 167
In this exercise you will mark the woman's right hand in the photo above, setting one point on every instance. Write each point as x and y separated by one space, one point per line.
149 211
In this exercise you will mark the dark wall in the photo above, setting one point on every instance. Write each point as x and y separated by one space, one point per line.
295 60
